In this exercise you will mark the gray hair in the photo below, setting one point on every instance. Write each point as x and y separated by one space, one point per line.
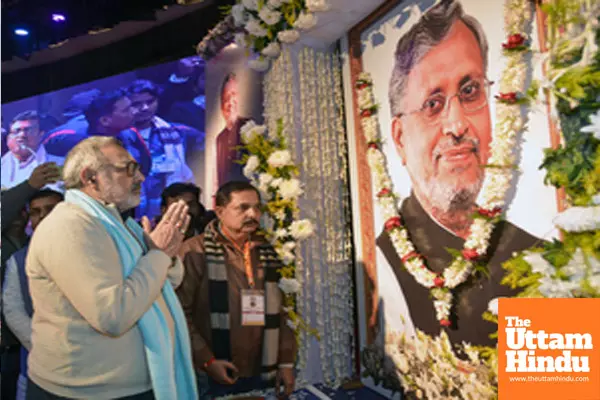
86 154
432 28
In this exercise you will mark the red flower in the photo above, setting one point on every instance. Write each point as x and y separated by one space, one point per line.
490 213
470 254
445 322
439 281
409 256
366 113
394 222
372 145
510 97
514 41
383 192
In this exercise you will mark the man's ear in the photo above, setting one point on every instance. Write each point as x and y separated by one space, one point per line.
397 138
219 211
87 176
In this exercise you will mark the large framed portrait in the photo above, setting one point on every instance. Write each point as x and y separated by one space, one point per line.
437 70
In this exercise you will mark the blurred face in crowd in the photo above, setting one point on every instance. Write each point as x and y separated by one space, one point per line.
121 117
444 132
229 103
144 106
242 213
40 208
24 135
194 209
119 181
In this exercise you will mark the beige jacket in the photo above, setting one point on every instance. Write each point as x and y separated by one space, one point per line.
85 341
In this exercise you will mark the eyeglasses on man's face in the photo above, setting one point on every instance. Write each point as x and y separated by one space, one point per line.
131 167
473 96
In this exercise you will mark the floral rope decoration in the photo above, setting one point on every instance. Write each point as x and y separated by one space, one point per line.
270 168
499 171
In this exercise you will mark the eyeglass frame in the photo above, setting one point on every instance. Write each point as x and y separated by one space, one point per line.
131 167
487 86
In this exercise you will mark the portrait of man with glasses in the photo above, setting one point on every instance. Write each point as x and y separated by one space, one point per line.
441 128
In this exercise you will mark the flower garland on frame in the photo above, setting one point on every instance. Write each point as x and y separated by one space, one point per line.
267 24
499 171
269 166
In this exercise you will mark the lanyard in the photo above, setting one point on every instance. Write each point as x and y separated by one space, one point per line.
247 257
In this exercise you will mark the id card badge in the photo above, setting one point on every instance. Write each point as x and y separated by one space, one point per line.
253 307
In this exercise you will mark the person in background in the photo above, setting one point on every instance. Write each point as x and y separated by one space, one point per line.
107 323
229 138
15 291
26 151
165 140
76 126
240 336
4 134
190 194
108 114
14 237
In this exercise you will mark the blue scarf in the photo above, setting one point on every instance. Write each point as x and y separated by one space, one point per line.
172 376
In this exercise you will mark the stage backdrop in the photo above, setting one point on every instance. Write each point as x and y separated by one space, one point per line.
233 97
434 143
169 144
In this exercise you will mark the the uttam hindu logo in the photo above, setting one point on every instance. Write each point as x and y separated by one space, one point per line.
549 349
523 342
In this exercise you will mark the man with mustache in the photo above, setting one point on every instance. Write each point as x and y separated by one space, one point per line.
107 322
237 346
441 128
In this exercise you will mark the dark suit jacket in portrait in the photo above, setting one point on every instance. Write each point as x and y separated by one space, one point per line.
227 154
472 297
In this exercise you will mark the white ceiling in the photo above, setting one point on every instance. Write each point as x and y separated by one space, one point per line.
339 19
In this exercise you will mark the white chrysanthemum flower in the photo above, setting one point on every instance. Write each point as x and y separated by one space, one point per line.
302 229
594 281
290 189
538 264
272 50
579 219
275 184
594 127
254 27
281 233
289 285
280 158
289 246
239 14
493 306
556 288
247 127
274 3
287 257
251 4
288 36
259 64
317 5
264 179
251 164
270 17
305 21
250 132
576 267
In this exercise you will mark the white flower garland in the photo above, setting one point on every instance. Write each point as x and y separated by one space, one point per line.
497 178
268 24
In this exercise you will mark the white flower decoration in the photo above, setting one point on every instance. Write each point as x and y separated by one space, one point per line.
250 131
272 50
317 5
240 40
280 158
274 3
302 229
239 14
305 21
254 28
251 165
288 36
290 189
289 285
251 4
264 179
538 264
579 219
269 16
594 128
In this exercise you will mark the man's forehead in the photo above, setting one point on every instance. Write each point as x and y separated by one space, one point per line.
116 153
244 197
26 122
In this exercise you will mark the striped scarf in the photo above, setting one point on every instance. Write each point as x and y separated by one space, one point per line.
218 289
